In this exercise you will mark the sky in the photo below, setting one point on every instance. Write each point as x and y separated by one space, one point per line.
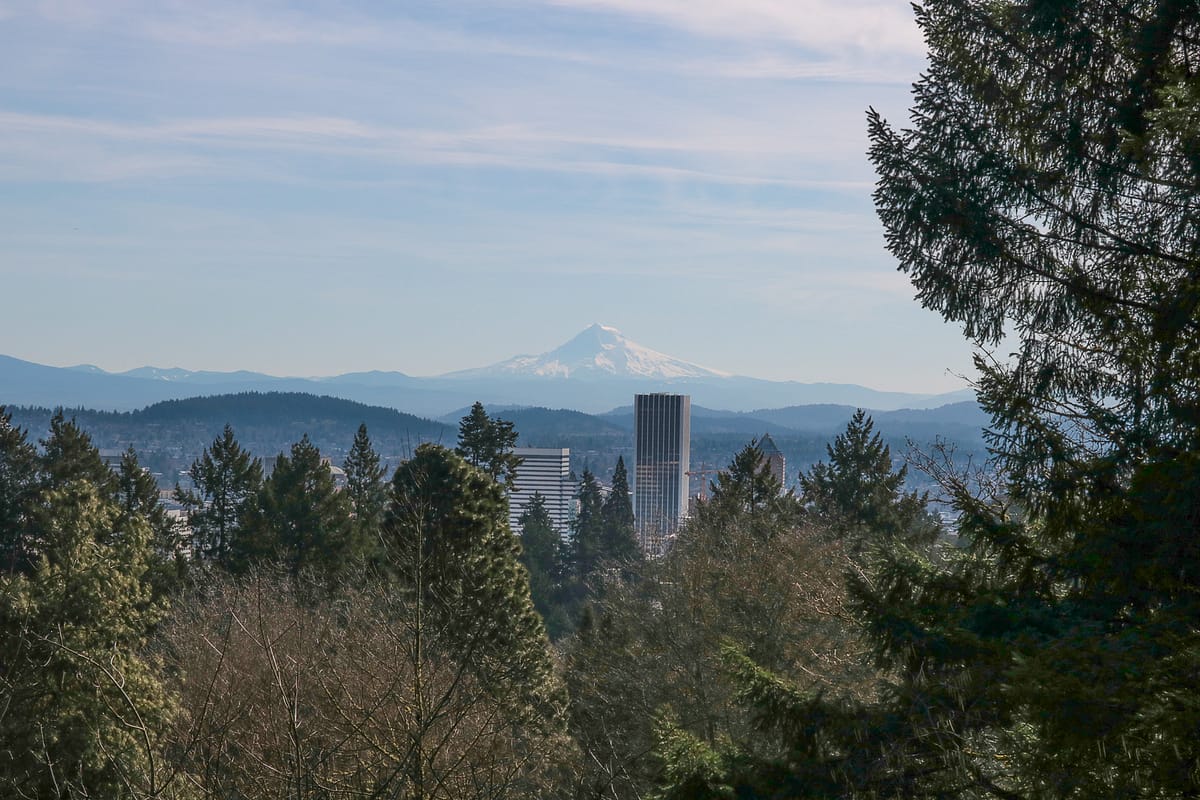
318 188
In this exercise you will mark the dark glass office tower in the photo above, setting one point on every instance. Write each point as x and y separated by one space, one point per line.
662 440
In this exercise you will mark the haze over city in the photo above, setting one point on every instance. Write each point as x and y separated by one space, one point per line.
313 189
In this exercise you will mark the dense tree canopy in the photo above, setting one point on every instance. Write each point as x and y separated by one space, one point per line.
82 705
652 698
1048 191
303 519
543 554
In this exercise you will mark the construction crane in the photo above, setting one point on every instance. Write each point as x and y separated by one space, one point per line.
703 472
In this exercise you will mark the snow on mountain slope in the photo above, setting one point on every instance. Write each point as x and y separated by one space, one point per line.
599 351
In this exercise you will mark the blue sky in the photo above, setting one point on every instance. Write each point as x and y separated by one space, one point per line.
315 188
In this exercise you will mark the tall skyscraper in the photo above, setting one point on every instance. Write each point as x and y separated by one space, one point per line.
544 471
775 459
662 429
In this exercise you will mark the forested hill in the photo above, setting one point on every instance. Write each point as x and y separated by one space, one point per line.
168 435
270 408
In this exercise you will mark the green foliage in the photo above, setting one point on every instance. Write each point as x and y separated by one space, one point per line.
82 708
303 521
68 455
756 580
487 443
587 534
366 488
542 554
859 495
448 543
749 493
692 769
618 543
18 490
227 481
1048 191
139 501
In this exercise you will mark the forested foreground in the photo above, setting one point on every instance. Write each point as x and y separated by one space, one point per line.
387 640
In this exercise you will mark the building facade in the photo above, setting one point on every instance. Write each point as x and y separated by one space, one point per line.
544 471
776 461
662 443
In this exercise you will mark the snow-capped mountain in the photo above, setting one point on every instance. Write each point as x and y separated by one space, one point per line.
601 352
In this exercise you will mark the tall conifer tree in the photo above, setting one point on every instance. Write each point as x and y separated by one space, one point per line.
366 489
1044 197
542 555
227 481
619 545
587 539
859 494
138 498
449 545
487 443
19 484
69 455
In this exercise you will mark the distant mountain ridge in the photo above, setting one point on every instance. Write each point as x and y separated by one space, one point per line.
597 370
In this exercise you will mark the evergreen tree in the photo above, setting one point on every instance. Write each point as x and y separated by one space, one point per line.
19 484
303 520
1049 188
487 442
587 535
82 709
859 495
619 544
227 481
541 553
748 493
449 545
69 455
138 498
366 489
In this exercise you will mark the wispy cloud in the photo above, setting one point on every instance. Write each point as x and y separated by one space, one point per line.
185 146
812 38
820 25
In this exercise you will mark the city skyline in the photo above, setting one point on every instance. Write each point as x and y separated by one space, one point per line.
259 187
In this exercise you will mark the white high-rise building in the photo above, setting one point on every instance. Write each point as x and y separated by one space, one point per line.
544 471
662 432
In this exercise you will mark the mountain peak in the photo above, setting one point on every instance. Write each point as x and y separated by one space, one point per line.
598 351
